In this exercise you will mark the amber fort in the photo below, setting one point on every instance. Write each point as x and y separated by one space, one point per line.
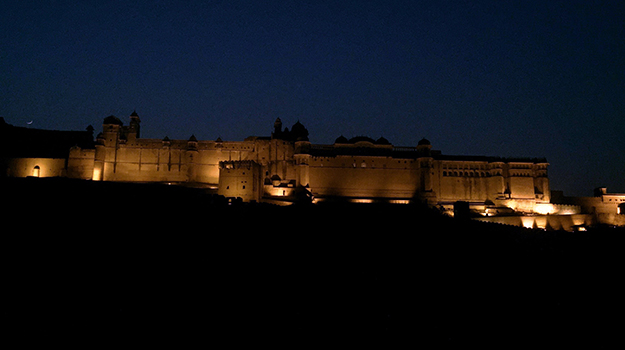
285 167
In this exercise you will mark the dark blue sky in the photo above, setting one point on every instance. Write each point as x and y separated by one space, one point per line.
502 78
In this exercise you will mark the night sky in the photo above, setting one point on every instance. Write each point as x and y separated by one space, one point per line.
500 78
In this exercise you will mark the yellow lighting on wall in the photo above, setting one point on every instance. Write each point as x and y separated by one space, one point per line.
541 222
528 222
97 174
578 220
544 208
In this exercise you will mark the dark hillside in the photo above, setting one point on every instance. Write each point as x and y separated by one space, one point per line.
158 262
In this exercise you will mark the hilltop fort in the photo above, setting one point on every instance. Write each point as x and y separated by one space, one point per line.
286 167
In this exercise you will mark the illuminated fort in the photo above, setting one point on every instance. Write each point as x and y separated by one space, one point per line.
286 167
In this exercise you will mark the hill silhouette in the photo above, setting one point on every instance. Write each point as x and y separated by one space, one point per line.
111 260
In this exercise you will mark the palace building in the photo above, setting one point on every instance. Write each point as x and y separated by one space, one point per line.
281 168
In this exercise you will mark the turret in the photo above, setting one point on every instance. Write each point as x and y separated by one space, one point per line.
191 155
277 128
111 128
298 132
135 124
424 148
496 184
424 151
192 143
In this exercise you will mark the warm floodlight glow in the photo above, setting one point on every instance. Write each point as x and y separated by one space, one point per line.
97 174
399 201
528 222
568 211
578 220
540 222
36 171
544 208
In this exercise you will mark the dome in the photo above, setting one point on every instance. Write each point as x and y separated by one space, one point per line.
112 120
299 132
424 142
341 139
382 141
361 139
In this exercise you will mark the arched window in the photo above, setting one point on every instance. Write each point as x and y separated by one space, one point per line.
36 171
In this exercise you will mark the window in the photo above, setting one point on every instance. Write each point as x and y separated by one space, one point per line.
36 171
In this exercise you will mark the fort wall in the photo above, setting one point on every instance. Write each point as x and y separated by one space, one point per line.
80 163
366 177
275 167
240 179
36 167
547 222
607 208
